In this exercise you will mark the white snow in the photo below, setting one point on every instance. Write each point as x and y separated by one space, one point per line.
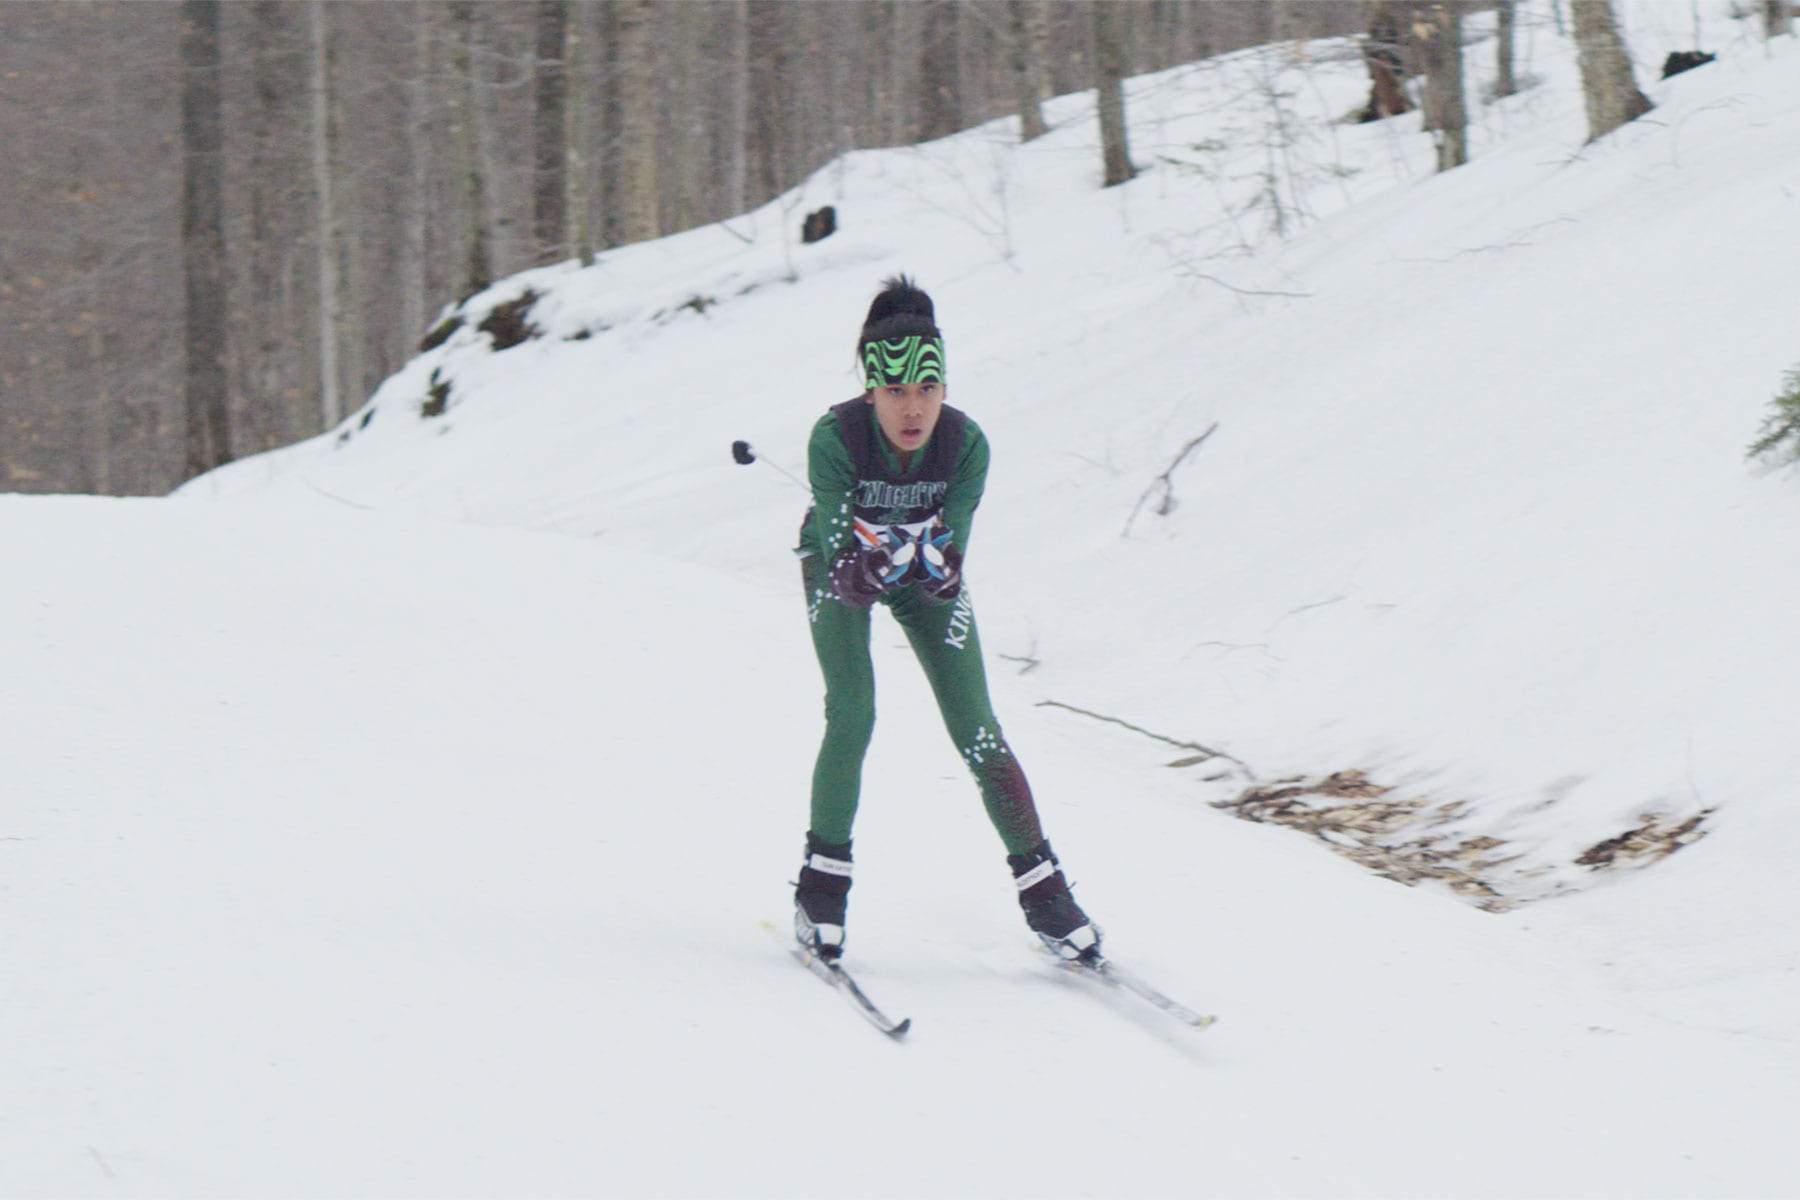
410 812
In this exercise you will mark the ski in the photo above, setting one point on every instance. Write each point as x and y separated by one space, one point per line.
834 974
1113 975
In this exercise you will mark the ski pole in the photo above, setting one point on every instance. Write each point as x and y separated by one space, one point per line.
743 455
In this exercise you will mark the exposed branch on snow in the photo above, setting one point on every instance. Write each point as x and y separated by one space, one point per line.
1166 504
1207 752
1519 241
1306 608
747 239
1230 647
1187 266
100 1161
1028 661
332 496
1243 291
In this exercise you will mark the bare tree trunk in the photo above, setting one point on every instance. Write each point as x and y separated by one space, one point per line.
416 292
1286 21
606 133
352 308
322 135
1437 32
940 87
737 115
638 213
1111 32
87 361
1507 17
765 132
578 203
1384 53
549 193
1607 84
1778 18
1025 22
274 387
812 106
678 97
478 269
884 89
203 238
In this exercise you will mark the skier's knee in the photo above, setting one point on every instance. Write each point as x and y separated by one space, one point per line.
849 724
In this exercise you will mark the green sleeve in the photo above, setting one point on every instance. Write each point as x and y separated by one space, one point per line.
832 478
966 485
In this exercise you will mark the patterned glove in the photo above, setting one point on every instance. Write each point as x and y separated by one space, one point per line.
857 576
940 563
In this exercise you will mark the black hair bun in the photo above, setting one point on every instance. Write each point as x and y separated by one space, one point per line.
900 309
899 294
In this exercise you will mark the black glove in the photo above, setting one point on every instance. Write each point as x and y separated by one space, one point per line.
858 574
939 564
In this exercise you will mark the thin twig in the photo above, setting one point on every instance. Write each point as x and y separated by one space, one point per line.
1243 291
726 226
1206 750
1306 608
329 496
1167 505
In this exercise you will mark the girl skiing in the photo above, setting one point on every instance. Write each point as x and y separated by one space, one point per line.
896 475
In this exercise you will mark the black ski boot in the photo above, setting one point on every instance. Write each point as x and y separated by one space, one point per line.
1049 908
821 897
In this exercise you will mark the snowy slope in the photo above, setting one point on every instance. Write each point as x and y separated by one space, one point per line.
456 888
418 832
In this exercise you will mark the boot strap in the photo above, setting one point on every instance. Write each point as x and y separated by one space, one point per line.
829 866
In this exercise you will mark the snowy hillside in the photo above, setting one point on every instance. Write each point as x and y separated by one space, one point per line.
409 812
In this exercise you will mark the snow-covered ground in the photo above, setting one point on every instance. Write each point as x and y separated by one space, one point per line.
409 812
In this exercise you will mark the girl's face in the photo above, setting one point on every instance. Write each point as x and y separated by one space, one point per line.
907 412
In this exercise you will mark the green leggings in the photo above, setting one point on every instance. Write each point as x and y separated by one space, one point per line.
943 638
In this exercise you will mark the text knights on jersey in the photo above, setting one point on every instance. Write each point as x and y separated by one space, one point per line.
873 493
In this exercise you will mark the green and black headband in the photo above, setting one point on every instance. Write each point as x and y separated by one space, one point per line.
913 359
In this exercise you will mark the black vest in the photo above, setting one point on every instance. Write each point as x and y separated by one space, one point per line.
882 496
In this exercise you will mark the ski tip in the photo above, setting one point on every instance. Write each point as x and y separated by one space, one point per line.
899 1030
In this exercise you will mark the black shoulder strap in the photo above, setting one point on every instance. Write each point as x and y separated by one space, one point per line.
856 426
947 443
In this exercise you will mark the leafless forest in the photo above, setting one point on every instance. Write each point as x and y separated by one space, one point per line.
228 221
376 161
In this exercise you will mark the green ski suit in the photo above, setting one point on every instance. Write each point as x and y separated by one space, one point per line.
853 471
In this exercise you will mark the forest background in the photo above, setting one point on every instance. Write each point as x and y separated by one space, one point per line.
343 172
229 222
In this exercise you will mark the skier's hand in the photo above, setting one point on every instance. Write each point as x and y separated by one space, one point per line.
939 563
858 576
